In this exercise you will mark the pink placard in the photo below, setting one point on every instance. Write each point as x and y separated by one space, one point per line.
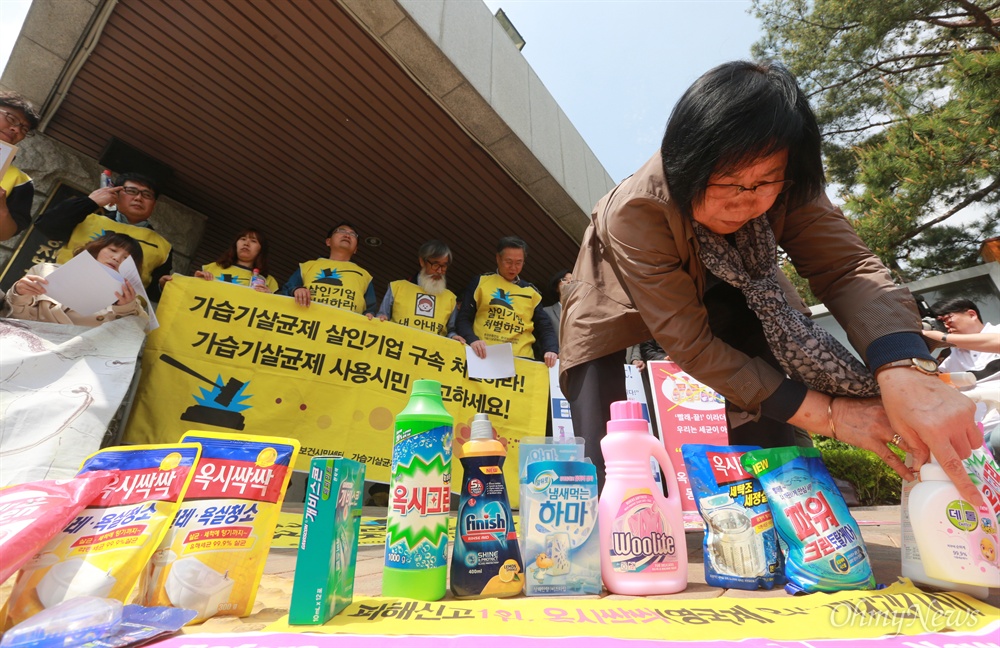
686 412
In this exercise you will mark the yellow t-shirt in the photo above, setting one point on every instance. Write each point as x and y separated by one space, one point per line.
238 275
155 248
338 283
416 308
505 313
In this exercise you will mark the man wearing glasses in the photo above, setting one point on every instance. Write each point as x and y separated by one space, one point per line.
423 301
500 307
336 281
17 121
80 220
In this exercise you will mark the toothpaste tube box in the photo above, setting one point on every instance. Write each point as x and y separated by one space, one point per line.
328 545
561 547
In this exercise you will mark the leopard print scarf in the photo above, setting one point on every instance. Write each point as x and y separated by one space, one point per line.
806 352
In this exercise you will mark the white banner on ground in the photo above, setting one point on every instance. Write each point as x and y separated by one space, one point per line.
60 386
562 420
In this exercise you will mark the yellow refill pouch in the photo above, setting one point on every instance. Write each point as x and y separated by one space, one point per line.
213 556
103 551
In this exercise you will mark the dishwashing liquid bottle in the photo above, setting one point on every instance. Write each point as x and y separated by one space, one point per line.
416 538
486 559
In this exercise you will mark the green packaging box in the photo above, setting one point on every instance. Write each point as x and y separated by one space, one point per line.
328 545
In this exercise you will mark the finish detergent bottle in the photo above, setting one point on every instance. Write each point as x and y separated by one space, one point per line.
416 538
486 560
643 550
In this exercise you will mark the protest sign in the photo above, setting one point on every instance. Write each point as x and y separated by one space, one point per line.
686 412
226 357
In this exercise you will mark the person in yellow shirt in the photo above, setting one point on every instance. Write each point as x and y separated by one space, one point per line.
237 264
18 120
78 221
424 301
336 281
500 307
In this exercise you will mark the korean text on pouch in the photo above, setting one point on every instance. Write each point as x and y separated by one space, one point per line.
104 549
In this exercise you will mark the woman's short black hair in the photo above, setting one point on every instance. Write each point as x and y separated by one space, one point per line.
734 114
552 294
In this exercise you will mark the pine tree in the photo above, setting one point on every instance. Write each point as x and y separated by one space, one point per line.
907 93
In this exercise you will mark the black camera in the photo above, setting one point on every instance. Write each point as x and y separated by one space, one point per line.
927 317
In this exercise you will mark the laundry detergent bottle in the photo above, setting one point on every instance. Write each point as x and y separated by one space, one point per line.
486 560
416 539
643 551
957 541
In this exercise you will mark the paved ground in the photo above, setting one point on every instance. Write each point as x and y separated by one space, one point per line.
879 527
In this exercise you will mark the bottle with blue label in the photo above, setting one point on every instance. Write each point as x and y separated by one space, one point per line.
416 538
486 561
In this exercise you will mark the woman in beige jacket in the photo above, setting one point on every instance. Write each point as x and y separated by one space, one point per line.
685 251
27 300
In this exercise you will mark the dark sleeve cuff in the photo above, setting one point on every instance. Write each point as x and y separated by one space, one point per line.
896 346
785 401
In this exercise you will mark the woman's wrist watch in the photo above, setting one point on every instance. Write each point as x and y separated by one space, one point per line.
923 365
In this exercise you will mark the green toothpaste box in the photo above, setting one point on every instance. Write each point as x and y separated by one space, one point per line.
328 546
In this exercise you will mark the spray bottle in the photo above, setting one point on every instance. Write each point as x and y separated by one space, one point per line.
416 539
106 181
643 550
257 281
486 560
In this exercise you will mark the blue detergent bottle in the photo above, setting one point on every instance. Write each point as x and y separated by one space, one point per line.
486 560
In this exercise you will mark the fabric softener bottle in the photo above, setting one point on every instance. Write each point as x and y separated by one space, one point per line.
643 550
486 561
416 539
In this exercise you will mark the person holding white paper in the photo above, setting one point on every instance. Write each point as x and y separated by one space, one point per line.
27 298
17 120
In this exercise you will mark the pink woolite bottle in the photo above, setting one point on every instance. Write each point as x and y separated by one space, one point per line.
643 550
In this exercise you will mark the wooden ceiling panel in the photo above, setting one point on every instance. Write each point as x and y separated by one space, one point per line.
289 116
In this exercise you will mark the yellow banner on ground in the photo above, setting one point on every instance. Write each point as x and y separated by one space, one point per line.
229 358
899 609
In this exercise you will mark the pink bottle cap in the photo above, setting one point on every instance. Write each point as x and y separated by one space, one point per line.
626 410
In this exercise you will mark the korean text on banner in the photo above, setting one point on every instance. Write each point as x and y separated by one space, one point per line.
686 412
229 358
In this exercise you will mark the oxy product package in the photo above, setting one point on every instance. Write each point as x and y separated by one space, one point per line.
212 558
740 544
103 551
824 551
32 514
561 547
328 543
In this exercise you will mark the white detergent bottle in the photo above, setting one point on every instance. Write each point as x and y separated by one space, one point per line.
643 551
912 565
957 542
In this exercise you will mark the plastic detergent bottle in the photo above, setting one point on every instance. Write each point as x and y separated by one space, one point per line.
912 564
416 539
957 541
643 550
257 280
486 560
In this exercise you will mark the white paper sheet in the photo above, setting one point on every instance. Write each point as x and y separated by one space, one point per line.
498 363
84 284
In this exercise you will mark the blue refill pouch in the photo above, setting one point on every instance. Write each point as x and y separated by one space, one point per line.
740 544
824 551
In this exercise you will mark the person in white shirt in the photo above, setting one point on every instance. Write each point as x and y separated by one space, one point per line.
961 317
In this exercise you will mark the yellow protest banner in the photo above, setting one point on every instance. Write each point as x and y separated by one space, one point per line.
901 609
229 358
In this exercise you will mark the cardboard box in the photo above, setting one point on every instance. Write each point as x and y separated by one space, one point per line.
328 546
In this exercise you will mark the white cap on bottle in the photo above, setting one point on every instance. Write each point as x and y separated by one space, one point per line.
481 427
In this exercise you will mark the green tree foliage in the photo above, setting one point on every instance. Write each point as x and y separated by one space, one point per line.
907 93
